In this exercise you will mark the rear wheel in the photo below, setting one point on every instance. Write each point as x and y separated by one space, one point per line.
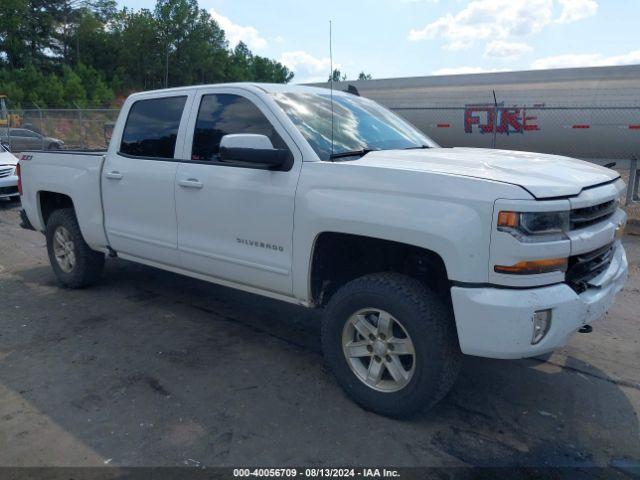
391 344
75 264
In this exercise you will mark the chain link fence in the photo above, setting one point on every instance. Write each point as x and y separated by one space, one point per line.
49 129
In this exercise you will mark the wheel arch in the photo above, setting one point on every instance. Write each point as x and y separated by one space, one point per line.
49 201
337 258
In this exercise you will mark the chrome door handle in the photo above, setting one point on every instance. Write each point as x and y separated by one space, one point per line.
114 175
191 183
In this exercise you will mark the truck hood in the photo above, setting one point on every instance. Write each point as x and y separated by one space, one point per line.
542 175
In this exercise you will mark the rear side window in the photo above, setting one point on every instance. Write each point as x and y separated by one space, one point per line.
224 114
152 127
25 133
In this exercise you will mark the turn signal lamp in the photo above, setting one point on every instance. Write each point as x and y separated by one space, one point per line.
508 220
534 266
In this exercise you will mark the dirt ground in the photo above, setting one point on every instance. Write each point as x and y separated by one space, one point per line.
149 368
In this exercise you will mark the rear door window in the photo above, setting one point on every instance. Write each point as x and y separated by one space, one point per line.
152 127
224 114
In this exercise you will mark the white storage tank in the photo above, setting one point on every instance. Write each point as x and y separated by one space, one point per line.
590 113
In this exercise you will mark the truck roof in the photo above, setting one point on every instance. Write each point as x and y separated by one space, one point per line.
257 87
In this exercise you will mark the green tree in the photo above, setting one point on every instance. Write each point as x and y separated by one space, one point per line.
239 69
52 92
337 76
13 35
87 52
40 27
139 50
364 76
30 80
267 70
68 15
201 54
74 90
96 90
175 21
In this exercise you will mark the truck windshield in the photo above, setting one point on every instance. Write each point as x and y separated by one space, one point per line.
359 124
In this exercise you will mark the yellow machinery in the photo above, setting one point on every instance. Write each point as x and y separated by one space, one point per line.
7 119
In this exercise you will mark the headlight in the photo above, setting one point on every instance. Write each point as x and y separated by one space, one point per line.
535 226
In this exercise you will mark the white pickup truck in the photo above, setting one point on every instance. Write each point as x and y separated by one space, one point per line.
416 253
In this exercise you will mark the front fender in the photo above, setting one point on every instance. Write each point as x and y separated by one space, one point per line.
449 215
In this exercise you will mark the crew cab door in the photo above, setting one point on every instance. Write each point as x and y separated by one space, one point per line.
138 179
235 223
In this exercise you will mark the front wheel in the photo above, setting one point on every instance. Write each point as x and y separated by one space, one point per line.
391 343
75 264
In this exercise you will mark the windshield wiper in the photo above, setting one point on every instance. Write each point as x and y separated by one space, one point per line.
419 147
352 153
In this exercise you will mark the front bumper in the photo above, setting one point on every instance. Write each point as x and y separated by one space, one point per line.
9 186
497 322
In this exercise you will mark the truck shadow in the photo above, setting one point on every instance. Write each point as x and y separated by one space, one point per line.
148 347
7 204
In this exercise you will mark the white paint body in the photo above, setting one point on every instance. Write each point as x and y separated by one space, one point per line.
204 220
8 177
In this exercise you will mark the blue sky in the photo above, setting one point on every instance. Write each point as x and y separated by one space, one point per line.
396 38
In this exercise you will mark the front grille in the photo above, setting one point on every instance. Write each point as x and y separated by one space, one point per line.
586 266
9 190
583 217
5 172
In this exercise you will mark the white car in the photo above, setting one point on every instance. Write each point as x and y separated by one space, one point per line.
416 253
8 175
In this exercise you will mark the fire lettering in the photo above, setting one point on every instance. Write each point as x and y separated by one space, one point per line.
491 118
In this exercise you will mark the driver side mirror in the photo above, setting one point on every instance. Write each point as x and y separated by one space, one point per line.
254 151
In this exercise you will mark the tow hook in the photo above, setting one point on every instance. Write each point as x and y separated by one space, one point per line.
586 329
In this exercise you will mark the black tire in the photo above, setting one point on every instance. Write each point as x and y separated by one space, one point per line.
53 146
89 264
15 198
427 320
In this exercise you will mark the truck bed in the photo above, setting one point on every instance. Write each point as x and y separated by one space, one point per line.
73 173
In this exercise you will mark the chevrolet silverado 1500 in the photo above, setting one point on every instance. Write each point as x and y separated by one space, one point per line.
416 253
